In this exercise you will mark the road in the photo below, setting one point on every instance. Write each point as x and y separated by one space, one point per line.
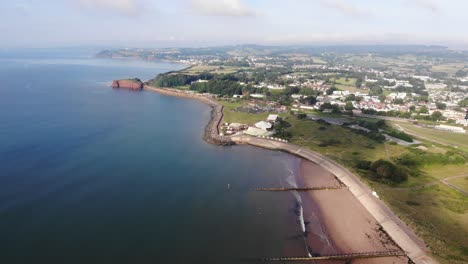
396 229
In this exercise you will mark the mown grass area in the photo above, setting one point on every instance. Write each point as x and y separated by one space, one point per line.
345 81
232 116
460 182
347 146
437 136
352 89
208 68
449 68
319 60
438 214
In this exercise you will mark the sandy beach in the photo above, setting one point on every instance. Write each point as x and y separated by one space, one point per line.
337 222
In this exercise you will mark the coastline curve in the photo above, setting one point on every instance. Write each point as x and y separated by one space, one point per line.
403 236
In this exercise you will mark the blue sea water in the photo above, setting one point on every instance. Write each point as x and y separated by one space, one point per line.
90 174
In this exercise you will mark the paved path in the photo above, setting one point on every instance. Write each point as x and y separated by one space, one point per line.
444 181
396 229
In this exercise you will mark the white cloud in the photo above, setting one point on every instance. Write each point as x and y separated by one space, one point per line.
124 7
222 8
344 7
426 4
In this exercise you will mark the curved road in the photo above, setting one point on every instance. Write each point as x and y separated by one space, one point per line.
396 229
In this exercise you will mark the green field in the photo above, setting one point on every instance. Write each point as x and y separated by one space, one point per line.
442 137
449 68
212 69
461 182
351 146
345 81
231 116
438 213
319 60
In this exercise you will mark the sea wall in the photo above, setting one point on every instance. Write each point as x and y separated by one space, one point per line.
403 236
212 129
393 226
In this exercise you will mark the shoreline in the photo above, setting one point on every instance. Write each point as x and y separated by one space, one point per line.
212 132
391 224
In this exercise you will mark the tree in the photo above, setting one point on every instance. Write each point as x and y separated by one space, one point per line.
334 108
359 82
349 106
461 73
376 91
331 90
441 106
464 102
386 170
309 100
412 108
398 101
423 110
301 116
382 98
350 97
436 115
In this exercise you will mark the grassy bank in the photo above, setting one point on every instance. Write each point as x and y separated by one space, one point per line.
438 213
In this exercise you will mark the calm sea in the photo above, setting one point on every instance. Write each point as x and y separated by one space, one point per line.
89 174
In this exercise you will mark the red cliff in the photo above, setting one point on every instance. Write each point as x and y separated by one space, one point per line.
134 84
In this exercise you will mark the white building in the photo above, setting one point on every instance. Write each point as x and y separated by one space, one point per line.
273 118
264 125
450 128
257 96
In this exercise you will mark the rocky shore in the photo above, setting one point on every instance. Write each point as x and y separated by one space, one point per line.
132 84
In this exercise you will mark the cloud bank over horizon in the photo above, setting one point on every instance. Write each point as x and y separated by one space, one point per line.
146 23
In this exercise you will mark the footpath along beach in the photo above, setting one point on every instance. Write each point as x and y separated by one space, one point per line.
345 220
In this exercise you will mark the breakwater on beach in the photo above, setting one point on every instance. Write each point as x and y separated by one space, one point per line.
398 235
92 174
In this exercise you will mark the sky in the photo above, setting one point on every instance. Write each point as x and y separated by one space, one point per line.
194 23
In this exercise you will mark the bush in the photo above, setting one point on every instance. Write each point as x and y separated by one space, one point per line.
363 164
301 116
385 170
400 135
329 142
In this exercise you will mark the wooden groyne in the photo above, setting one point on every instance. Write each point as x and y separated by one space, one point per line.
305 189
349 256
398 231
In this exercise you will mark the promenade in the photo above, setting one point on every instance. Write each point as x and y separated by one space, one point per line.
395 228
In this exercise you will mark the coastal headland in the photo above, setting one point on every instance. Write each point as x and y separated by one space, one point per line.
353 219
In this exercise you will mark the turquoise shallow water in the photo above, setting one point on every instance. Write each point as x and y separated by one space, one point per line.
89 174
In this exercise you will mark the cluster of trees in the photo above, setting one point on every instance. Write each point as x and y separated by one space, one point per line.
374 126
235 63
417 158
400 135
435 116
389 113
217 86
384 170
464 102
173 79
335 108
